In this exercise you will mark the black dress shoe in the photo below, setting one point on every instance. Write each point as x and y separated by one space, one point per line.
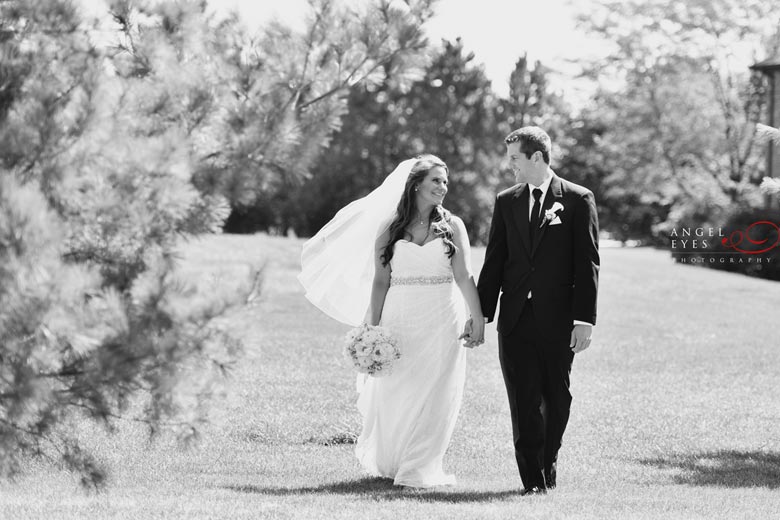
536 490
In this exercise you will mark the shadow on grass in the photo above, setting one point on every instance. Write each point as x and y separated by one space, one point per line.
734 469
380 489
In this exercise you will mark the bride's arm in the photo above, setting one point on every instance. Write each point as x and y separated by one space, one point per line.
381 281
461 270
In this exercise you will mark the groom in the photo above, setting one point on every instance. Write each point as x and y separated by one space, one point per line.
542 256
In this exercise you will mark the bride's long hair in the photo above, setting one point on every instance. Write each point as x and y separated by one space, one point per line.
439 217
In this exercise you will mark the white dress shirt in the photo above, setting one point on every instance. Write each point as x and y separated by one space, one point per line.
545 186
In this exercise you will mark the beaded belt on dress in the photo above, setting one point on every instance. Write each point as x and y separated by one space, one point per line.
420 280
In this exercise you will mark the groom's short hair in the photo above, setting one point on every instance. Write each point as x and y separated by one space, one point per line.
532 139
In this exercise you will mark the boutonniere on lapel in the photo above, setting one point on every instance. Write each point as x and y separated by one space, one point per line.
552 215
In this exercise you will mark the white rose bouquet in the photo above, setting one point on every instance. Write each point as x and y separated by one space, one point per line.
372 350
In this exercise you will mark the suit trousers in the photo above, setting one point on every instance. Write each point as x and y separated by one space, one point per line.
536 373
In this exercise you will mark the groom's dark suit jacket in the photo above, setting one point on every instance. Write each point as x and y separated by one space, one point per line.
560 268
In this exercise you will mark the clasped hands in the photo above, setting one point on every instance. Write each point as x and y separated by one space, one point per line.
473 333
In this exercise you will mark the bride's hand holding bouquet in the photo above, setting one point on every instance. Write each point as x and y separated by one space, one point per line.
371 349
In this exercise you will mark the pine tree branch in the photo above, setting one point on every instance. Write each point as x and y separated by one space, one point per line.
380 62
320 15
45 131
346 82
60 374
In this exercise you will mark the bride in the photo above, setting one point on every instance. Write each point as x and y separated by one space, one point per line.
416 275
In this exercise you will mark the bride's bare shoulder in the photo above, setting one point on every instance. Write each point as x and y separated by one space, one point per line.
457 224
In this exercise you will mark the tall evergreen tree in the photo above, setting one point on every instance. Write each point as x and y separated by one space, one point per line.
95 192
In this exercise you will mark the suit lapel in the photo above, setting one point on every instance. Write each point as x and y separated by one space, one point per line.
554 194
520 210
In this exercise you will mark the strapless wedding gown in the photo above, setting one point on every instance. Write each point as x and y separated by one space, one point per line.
410 414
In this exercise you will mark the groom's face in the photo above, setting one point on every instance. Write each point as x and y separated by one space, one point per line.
520 164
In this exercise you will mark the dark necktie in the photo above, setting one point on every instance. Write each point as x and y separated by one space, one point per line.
533 226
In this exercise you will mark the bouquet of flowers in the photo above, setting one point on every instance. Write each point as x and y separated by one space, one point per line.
372 350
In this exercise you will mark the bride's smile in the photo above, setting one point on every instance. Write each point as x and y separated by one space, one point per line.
433 188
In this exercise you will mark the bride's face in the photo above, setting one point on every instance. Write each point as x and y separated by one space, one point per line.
433 188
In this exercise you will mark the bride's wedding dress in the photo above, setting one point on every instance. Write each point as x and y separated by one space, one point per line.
409 415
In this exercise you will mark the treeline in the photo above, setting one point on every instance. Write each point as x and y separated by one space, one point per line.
667 140
450 110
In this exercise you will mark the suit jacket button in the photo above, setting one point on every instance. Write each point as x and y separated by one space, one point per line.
533 269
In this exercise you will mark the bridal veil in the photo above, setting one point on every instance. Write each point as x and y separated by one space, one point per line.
337 264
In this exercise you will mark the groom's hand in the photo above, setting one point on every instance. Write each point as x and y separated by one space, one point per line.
580 337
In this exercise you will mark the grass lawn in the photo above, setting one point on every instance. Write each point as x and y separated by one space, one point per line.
675 413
